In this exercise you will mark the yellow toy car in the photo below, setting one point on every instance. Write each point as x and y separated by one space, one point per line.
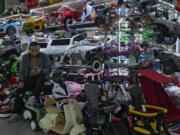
33 25
55 1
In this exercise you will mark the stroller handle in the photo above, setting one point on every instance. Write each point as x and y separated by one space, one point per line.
133 111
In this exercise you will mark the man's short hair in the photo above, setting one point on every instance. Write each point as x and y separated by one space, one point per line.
34 44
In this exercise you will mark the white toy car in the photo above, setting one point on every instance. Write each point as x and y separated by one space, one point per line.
88 53
58 46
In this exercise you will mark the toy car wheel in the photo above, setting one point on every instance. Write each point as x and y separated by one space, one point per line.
11 31
18 10
27 115
168 67
96 65
33 125
170 40
160 39
10 11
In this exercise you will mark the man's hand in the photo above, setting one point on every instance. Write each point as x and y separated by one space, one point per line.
36 71
21 85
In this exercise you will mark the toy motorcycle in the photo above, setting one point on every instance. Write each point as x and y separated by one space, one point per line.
88 14
64 121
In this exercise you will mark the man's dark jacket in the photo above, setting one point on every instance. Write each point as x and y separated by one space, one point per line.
43 63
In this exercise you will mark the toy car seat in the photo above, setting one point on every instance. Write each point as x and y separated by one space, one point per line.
65 121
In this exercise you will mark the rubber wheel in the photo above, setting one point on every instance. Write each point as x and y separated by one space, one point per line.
18 10
168 67
11 12
33 125
96 65
160 39
27 115
11 31
170 40
99 21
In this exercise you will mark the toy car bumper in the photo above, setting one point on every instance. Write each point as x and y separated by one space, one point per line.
1 30
28 30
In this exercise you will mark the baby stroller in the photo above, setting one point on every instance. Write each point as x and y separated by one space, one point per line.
145 119
155 95
98 114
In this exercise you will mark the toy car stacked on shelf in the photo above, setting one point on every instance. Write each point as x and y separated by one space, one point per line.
95 53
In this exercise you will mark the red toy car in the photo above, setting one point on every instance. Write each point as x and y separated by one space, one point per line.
61 15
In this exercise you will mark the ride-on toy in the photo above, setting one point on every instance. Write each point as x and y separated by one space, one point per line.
33 114
64 121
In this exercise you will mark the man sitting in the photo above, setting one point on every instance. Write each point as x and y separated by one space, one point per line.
34 67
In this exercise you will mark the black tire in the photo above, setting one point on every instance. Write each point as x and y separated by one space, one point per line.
116 126
168 67
11 31
96 65
170 40
18 10
34 125
11 11
98 21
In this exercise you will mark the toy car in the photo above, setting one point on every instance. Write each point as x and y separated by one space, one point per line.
11 46
168 30
33 25
46 2
17 9
65 121
169 61
88 15
58 46
61 16
89 54
9 26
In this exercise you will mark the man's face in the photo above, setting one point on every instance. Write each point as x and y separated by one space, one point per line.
34 50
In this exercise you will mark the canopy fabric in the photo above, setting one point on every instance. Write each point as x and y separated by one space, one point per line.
155 94
151 74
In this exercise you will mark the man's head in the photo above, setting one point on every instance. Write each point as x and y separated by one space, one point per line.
34 49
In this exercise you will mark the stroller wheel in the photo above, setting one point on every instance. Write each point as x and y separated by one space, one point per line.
33 125
27 115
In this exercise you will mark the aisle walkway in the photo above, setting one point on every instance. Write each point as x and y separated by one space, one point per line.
17 128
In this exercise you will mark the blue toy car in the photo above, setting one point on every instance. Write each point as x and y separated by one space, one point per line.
9 26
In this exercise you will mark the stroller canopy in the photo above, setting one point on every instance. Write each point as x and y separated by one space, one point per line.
154 76
155 94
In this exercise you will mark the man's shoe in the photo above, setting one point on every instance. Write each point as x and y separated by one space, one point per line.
31 101
14 117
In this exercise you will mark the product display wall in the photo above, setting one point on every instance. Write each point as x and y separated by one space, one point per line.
108 61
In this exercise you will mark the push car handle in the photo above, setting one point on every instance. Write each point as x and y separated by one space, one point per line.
157 108
132 110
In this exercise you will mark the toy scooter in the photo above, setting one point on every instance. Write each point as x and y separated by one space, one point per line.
33 114
64 121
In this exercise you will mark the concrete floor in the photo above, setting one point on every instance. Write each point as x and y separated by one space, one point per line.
21 128
18 128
